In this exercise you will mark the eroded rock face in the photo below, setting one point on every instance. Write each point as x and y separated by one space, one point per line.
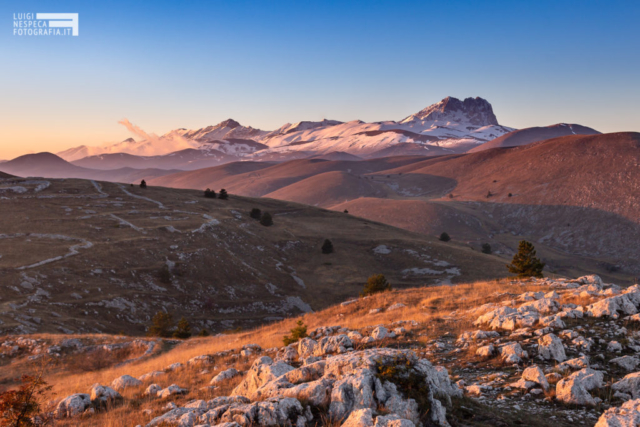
307 347
353 386
333 344
263 370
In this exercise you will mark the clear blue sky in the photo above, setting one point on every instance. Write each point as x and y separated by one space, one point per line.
164 65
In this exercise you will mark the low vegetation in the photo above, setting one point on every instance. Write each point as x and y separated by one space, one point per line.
376 284
266 219
296 333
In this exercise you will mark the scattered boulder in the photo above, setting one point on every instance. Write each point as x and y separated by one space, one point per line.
551 347
630 384
486 351
72 405
626 362
224 375
575 389
125 381
171 390
513 353
535 374
379 333
104 395
152 390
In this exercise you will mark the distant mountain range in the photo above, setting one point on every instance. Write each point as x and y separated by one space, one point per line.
447 127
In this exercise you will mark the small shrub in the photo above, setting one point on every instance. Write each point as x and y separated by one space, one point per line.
327 247
486 248
161 325
297 333
346 211
376 284
510 195
266 219
22 407
489 194
255 213
223 195
525 263
203 333
445 237
183 330
164 275
143 184
451 195
210 194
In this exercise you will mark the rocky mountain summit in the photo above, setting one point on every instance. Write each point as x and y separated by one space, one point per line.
476 111
544 351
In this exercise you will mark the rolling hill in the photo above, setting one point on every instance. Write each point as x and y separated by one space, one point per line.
259 179
81 256
553 182
49 165
534 134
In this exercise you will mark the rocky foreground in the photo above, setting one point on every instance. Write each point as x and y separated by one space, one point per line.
566 355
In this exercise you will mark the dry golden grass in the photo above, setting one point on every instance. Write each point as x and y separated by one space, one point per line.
431 306
438 309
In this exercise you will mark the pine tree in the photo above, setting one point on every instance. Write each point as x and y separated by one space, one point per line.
223 195
297 333
255 213
486 248
376 284
525 263
445 237
143 184
266 219
327 247
183 330
161 325
210 194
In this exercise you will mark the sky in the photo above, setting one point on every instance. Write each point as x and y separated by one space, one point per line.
164 65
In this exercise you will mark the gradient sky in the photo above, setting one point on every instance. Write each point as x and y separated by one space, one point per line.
165 65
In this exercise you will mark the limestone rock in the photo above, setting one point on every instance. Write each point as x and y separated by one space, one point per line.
551 347
125 381
627 415
535 374
224 375
72 405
